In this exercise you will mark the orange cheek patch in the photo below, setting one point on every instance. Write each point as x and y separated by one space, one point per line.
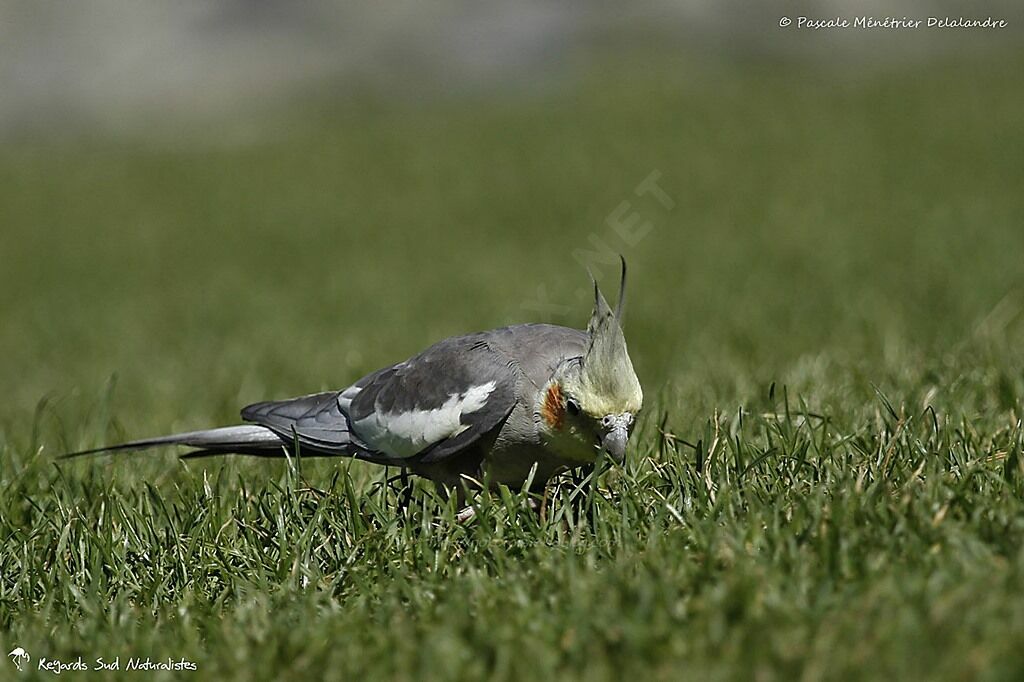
553 407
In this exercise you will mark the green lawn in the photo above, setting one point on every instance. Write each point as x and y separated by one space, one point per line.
827 479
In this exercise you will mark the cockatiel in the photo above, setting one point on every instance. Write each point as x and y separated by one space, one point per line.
490 406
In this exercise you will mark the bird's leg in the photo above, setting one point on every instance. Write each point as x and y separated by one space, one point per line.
404 494
406 499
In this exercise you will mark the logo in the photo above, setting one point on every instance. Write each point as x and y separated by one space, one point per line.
20 657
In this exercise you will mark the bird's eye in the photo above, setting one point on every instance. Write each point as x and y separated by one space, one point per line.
572 406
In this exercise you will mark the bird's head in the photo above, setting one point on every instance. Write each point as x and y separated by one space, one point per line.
591 402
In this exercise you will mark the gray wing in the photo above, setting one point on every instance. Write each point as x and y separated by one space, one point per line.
457 391
436 403
315 421
424 409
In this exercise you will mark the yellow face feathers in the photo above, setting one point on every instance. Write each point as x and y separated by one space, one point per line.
605 382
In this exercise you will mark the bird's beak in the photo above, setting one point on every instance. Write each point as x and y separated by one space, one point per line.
616 436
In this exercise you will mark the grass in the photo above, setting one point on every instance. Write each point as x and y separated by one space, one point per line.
827 479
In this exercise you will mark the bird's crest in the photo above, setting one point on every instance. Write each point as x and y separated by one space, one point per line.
607 382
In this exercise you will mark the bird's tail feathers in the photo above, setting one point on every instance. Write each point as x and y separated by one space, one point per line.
246 439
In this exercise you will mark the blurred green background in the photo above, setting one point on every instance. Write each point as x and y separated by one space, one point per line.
811 216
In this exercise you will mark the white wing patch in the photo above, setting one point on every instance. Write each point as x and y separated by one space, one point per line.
347 396
404 434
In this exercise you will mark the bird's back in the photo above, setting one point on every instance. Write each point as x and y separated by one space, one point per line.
538 349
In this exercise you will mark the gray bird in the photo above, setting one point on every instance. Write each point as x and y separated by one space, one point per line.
489 405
